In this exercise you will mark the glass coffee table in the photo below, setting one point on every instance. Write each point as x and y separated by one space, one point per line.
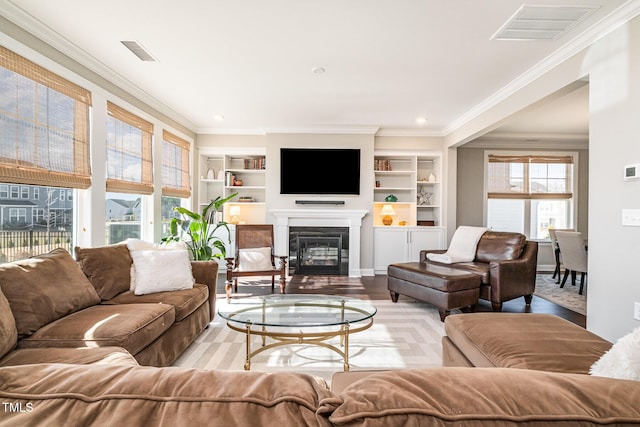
299 319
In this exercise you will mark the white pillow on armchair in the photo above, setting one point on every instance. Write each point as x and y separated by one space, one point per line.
254 259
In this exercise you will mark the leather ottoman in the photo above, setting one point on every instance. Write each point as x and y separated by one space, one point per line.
446 288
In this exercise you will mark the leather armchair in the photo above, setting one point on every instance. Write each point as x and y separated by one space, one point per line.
506 263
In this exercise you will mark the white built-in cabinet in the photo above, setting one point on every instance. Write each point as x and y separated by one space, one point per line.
403 244
414 179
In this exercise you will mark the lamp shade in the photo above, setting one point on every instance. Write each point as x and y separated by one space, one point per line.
387 210
234 210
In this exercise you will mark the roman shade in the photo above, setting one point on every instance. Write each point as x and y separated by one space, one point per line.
129 163
175 166
45 126
530 177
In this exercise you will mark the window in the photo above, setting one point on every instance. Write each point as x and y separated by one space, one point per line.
129 165
175 166
123 214
129 172
530 193
45 126
4 191
24 192
36 193
18 216
15 191
63 195
38 216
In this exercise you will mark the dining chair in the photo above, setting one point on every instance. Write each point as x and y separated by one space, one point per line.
254 257
556 250
574 256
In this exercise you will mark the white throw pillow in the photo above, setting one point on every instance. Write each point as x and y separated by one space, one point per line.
622 361
161 271
140 245
255 259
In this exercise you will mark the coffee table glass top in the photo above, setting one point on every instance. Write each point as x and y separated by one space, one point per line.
292 310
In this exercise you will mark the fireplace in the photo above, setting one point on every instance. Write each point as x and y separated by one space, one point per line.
331 218
319 250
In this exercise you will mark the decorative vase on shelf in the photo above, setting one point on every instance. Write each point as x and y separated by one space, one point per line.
432 177
391 198
211 174
221 174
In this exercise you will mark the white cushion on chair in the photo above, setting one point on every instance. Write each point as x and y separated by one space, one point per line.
255 259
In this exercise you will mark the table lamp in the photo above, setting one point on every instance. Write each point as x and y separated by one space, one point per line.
234 211
388 212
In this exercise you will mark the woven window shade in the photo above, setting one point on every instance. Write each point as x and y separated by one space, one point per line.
175 166
129 162
530 177
45 126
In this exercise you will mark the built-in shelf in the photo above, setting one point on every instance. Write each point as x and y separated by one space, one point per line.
248 167
410 177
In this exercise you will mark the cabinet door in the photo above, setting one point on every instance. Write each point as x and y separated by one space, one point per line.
424 238
389 246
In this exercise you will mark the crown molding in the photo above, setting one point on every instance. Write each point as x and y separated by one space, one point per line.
229 131
608 24
47 35
408 132
344 130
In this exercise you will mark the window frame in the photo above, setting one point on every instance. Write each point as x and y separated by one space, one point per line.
528 201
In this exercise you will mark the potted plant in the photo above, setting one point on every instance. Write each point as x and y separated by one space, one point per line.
195 230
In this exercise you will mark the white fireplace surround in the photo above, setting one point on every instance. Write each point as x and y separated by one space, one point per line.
286 218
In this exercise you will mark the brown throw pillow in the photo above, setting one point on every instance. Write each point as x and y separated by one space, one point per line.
108 268
45 288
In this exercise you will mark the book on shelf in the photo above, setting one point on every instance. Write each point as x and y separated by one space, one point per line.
382 165
255 163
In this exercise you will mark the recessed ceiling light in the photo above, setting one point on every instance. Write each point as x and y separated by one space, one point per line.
318 70
421 120
218 118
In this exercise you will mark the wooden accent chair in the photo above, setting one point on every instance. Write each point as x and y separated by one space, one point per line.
254 257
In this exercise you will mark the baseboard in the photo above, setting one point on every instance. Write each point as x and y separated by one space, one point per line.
367 272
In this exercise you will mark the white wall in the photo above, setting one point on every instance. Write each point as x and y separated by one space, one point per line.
614 121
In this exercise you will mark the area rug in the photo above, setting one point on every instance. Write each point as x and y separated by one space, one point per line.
567 297
404 335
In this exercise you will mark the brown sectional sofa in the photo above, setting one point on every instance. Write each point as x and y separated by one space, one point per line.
105 386
58 304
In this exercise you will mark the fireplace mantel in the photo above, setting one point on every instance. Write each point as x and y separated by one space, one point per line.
286 218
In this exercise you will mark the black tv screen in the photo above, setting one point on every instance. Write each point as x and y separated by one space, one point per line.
319 171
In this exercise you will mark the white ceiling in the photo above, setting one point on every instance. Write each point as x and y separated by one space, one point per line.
387 62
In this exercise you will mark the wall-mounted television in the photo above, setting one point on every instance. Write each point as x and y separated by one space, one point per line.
320 171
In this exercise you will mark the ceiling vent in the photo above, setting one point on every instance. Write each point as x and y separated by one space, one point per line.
542 22
137 49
